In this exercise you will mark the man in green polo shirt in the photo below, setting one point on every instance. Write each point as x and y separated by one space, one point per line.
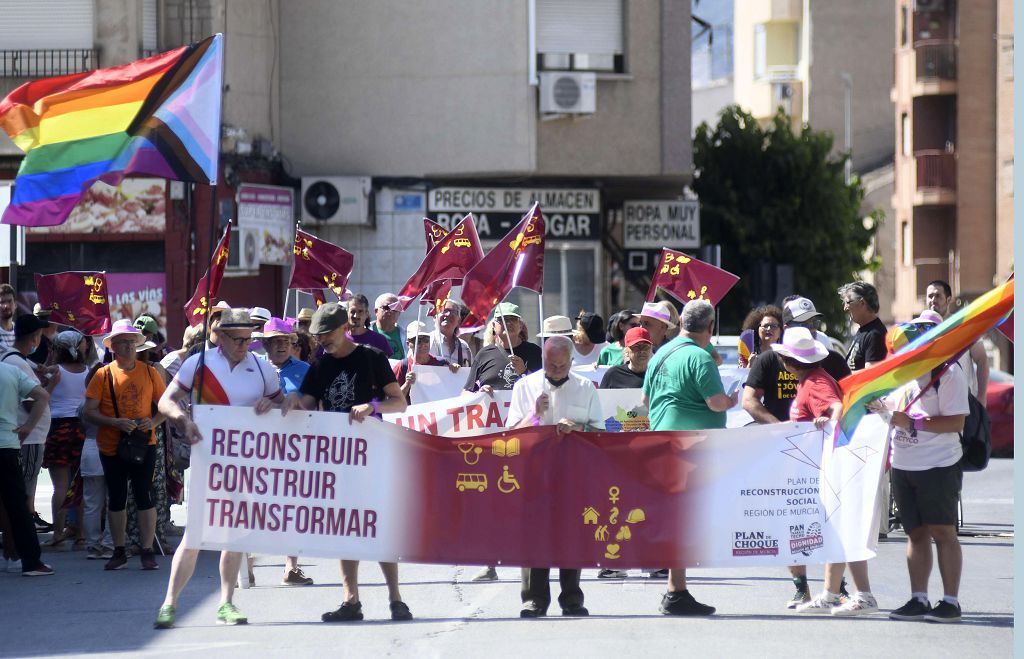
387 311
684 392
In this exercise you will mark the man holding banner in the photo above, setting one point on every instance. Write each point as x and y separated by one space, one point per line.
357 380
226 375
509 358
684 392
554 397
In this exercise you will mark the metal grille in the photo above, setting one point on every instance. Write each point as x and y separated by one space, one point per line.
44 63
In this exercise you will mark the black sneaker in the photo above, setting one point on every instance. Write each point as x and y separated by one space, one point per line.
296 577
612 574
681 603
578 611
400 611
914 609
532 610
843 593
944 612
42 526
801 596
148 561
118 560
347 612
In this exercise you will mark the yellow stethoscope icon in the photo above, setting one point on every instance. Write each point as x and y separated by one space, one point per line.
507 483
467 448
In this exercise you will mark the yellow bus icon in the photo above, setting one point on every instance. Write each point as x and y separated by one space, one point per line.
476 482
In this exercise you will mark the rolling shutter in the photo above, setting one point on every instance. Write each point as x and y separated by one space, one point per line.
580 26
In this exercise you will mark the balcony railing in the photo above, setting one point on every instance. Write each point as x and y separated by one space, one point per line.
936 60
936 170
45 63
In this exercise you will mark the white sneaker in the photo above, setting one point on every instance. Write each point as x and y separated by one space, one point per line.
486 574
859 604
14 566
820 604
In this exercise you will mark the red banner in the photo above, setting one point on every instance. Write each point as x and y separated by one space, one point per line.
320 264
454 255
518 260
434 233
208 287
77 299
686 278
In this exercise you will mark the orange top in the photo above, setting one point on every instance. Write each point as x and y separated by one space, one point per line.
137 391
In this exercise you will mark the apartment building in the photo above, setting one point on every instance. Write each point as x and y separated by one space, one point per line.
954 164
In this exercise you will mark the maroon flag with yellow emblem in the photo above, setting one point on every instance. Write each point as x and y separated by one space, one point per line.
434 233
76 299
451 258
518 260
685 278
320 264
208 287
436 295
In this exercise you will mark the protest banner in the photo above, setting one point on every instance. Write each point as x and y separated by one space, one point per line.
315 484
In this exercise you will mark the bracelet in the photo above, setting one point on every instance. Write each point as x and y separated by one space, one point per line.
376 406
534 419
918 423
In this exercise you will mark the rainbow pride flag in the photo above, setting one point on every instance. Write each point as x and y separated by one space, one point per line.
158 116
942 343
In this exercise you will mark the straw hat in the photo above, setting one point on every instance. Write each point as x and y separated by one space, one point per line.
556 326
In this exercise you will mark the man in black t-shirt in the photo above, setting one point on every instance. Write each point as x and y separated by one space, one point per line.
357 380
860 300
498 366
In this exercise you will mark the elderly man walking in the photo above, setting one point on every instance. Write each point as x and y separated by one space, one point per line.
386 312
684 391
554 397
231 375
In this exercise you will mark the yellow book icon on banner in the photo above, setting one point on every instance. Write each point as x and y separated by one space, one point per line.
505 449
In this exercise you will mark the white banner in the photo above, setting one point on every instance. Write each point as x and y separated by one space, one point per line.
312 483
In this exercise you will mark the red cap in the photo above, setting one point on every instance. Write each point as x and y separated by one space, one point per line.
637 335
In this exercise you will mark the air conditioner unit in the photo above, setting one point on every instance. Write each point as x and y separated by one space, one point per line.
336 200
782 94
929 5
568 92
245 249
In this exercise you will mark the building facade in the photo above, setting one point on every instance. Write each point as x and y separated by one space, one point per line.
405 110
954 163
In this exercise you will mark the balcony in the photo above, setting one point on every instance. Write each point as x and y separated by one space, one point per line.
47 63
936 178
935 67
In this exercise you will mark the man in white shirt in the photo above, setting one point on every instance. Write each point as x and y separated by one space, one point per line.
28 332
554 397
926 482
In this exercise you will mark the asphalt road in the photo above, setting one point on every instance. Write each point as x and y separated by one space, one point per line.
83 610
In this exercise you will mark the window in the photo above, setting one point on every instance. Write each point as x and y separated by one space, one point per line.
580 35
903 25
905 135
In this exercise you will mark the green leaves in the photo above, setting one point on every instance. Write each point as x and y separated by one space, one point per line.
769 195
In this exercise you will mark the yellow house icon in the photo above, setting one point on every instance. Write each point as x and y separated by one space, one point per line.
590 516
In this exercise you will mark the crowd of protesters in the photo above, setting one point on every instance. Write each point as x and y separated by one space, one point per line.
66 403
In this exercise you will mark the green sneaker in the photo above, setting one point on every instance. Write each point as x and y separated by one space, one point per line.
165 618
228 614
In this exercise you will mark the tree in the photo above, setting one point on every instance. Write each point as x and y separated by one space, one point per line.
769 196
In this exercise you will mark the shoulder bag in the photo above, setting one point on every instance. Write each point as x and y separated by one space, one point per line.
133 445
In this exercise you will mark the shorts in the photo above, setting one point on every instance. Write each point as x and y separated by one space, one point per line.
927 497
64 443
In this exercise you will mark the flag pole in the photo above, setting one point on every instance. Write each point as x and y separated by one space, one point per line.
412 360
287 296
209 283
540 310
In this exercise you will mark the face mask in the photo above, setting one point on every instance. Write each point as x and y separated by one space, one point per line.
557 383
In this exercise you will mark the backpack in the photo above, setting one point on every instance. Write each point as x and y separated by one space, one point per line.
976 437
